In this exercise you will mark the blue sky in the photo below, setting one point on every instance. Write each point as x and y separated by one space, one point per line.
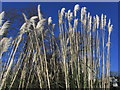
107 8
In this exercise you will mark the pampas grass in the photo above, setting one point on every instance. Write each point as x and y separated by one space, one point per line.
72 60
4 45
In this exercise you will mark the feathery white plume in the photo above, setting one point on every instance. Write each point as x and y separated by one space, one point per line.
1 17
97 21
2 14
49 20
27 24
23 26
88 15
62 12
33 18
109 22
41 23
4 44
39 13
22 29
83 12
32 21
4 28
76 8
104 21
110 27
24 17
101 27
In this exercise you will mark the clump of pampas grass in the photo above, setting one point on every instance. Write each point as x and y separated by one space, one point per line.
72 60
